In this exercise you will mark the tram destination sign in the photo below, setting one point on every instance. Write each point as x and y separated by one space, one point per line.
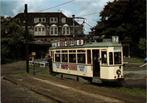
68 43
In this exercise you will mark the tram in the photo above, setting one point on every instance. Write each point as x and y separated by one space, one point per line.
93 59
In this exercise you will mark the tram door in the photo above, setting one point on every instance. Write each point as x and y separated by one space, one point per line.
96 63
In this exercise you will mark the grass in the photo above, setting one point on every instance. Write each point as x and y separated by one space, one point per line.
38 70
132 91
134 60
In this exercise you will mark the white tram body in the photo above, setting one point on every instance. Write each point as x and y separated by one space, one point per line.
95 59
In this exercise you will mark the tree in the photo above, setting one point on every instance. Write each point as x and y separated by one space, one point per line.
125 18
13 37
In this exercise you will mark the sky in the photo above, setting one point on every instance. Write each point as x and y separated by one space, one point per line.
88 9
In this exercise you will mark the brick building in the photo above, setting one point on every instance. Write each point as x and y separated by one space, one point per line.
49 26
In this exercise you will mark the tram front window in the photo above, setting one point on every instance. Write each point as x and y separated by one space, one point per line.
110 58
117 57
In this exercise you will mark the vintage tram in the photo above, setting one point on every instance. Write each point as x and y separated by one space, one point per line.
92 59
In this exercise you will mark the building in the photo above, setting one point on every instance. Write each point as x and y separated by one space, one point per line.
49 26
46 27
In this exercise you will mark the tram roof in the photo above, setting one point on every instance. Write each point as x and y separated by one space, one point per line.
102 44
91 45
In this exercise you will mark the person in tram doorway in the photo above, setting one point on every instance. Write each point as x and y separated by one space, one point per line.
50 64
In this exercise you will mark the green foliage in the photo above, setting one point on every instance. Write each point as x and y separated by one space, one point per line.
142 43
131 91
125 18
12 41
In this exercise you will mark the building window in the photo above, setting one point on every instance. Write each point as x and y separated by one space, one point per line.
63 30
36 20
39 30
56 30
35 29
53 20
43 29
39 19
53 30
63 20
66 30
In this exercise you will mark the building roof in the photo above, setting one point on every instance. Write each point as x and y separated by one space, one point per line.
32 15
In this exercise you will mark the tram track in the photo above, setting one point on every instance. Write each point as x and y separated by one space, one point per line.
40 89
35 90
79 87
46 93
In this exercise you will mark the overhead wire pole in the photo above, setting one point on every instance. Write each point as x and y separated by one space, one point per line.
73 20
26 37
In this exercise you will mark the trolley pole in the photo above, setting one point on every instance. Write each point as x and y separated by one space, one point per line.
26 37
73 17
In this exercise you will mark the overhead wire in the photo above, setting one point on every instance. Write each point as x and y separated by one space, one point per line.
58 5
94 13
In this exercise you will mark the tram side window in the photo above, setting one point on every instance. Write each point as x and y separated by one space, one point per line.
88 56
72 58
81 58
110 58
117 57
64 58
104 57
57 57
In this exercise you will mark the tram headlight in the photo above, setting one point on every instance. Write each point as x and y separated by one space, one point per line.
118 72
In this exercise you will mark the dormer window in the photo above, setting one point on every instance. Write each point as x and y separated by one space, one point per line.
41 20
53 20
63 20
